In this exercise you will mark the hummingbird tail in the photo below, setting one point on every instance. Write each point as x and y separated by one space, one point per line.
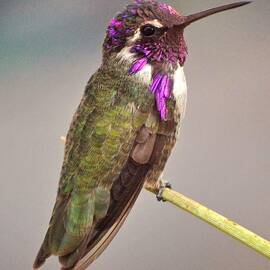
41 256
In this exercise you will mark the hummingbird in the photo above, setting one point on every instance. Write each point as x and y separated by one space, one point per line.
123 131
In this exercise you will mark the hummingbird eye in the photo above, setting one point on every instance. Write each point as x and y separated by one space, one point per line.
148 30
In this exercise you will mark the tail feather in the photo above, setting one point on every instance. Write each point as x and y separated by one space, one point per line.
42 255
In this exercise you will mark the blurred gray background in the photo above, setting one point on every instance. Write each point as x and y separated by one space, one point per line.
49 49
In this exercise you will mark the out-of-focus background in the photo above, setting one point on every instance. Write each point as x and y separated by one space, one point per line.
49 49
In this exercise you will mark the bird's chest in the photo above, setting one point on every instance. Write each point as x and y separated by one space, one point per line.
179 93
176 105
179 89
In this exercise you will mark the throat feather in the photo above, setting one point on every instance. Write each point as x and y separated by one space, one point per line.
161 85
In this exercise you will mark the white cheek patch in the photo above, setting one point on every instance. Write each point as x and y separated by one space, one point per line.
144 75
135 37
126 55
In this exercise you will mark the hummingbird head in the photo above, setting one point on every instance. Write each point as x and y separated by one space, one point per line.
149 33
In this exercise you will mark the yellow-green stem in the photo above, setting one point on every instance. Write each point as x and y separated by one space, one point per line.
220 222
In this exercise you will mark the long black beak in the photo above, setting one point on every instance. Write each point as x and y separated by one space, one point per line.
187 20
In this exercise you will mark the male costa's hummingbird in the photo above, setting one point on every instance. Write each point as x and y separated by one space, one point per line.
123 131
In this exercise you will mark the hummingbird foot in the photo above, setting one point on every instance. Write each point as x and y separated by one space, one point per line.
162 187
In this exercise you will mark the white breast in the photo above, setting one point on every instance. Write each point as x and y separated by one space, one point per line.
180 90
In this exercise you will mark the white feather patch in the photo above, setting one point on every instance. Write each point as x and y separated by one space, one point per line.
126 55
180 90
145 75
155 22
180 84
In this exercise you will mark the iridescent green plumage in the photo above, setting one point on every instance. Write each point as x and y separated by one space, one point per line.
102 139
98 145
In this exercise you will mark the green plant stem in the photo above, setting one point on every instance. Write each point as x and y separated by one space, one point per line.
218 221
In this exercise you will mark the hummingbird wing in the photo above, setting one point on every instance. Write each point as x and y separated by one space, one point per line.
124 193
147 163
99 144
